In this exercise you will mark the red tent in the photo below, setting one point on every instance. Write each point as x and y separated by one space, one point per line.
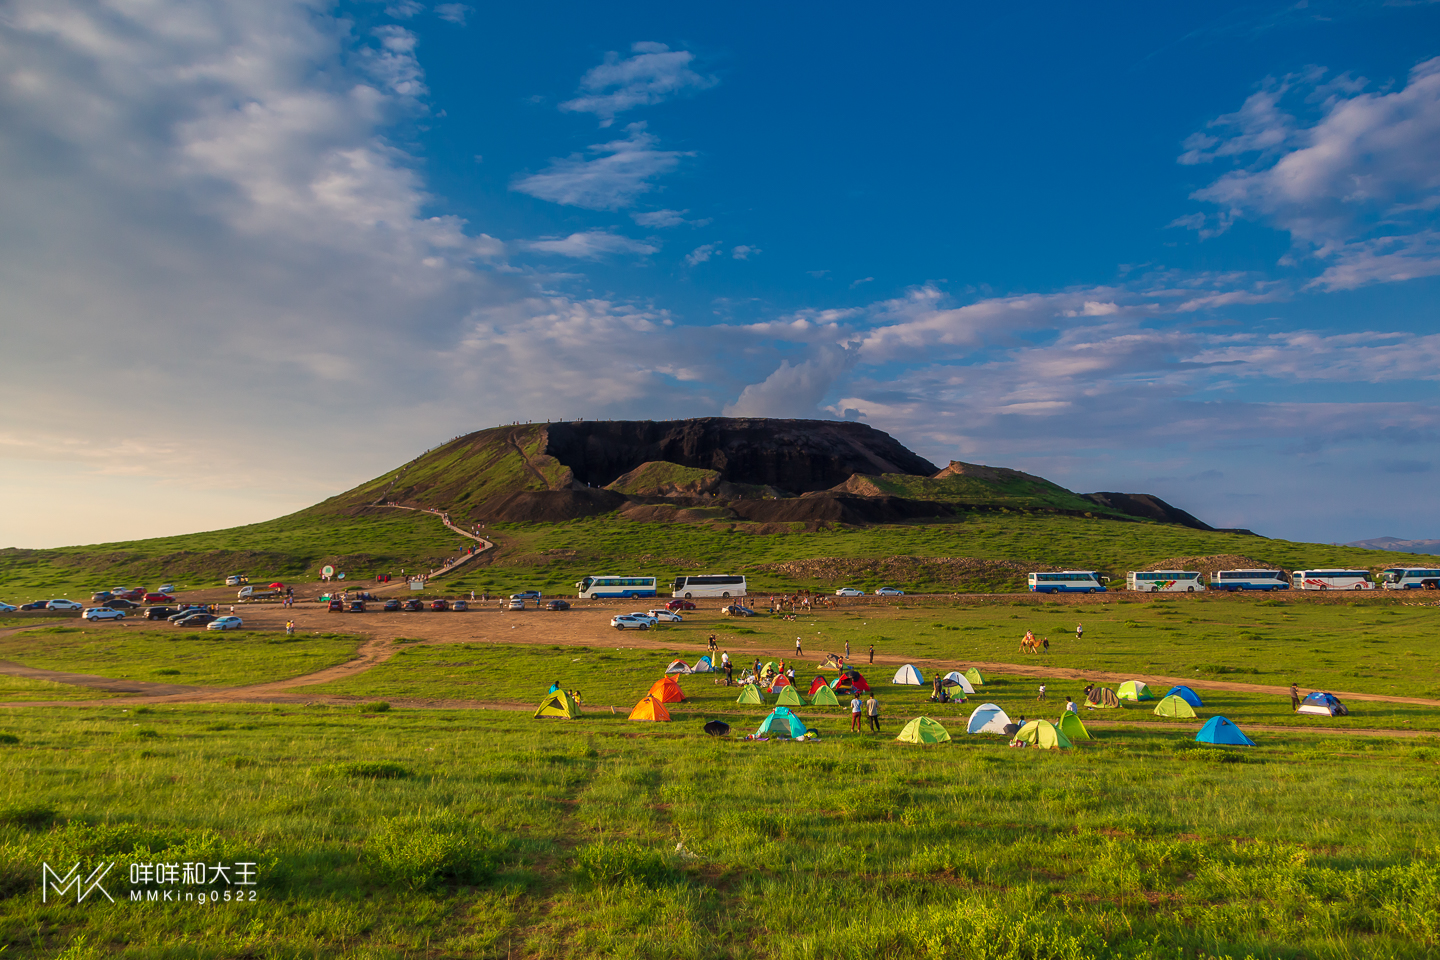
817 683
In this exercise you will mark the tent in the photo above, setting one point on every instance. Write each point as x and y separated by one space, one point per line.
974 677
824 697
782 721
817 683
703 665
717 728
1072 728
558 704
845 685
987 718
957 679
1186 694
650 709
679 666
923 730
1103 697
788 695
1042 733
1324 705
1174 706
909 676
749 693
769 669
666 690
1135 690
778 683
1220 731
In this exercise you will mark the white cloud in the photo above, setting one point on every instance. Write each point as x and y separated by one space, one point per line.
403 9
793 390
860 281
743 252
701 254
591 245
620 173
1358 189
654 73
666 218
453 12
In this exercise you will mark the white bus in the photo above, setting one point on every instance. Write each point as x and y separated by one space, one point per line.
1407 578
1232 580
708 586
1332 580
612 586
1165 581
1066 581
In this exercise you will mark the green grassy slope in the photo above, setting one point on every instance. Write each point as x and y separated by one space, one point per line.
1017 490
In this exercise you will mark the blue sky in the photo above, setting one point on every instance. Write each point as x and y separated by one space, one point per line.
257 252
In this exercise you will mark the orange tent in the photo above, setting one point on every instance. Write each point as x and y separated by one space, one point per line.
650 709
666 690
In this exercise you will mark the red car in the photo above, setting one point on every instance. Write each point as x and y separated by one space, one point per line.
336 606
137 593
439 604
159 598
680 605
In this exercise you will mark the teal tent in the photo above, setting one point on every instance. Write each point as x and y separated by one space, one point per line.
1218 730
783 723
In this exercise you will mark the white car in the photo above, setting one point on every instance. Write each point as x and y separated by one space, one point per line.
8 608
65 605
225 623
626 621
849 592
165 588
103 613
667 616
234 581
889 592
517 603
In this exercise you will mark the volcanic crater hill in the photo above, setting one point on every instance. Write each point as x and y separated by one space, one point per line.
773 473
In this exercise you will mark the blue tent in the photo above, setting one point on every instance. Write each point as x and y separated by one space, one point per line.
1186 694
782 721
1221 731
1323 704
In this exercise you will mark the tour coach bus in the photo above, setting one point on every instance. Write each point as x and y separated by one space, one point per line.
1066 581
1165 581
611 586
1332 580
1233 580
708 586
1407 578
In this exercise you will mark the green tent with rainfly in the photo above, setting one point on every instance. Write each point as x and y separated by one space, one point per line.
923 730
1135 690
1043 734
1071 727
1174 706
558 704
750 693
824 697
974 677
789 696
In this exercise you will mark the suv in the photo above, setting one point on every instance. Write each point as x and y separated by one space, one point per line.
527 595
159 613
627 621
235 580
64 605
158 598
439 604
101 596
336 606
357 606
103 613
517 603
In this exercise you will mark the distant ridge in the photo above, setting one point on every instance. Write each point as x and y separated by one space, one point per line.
1398 545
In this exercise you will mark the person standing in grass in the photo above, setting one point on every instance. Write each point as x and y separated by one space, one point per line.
847 649
872 710
855 706
1079 631
1042 693
1294 698
872 653
798 651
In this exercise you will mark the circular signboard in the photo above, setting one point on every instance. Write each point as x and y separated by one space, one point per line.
327 571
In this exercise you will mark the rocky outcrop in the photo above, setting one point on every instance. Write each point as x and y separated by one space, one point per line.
1148 507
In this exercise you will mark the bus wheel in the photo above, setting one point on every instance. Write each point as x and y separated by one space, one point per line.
1358 586
1189 589
725 595
1091 590
687 596
1154 589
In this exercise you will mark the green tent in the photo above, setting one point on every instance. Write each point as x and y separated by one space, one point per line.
974 677
1071 727
923 730
789 696
750 693
1043 734
1135 690
824 697
1174 706
781 721
558 704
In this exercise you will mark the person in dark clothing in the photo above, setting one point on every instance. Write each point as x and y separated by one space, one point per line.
872 653
1294 698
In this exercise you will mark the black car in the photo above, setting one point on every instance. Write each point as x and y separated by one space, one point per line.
160 613
120 603
414 606
558 605
357 606
102 596
37 605
184 612
391 606
196 620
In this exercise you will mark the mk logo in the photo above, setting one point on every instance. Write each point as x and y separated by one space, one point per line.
50 880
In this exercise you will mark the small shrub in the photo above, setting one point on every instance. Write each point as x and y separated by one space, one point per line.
145 733
9 738
428 851
623 862
373 770
30 816
166 672
139 711
378 706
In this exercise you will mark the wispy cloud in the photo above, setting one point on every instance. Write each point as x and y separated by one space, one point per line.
621 171
453 12
653 74
591 245
701 254
745 252
666 218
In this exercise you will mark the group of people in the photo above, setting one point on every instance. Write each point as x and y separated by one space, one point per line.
869 708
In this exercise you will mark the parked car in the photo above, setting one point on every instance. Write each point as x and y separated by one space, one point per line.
35 605
357 606
391 606
517 603
184 612
527 595
440 604
413 606
627 622
849 592
64 605
336 606
100 596
103 613
165 588
667 616
680 605
7 607
735 610
196 620
889 592
235 580
134 593
159 598
460 605
119 603
641 614
558 605
225 623
159 613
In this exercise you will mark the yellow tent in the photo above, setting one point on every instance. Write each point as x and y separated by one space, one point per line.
558 704
1174 706
1044 734
789 696
1071 726
824 697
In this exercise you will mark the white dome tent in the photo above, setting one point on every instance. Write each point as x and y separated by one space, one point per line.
909 676
988 718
